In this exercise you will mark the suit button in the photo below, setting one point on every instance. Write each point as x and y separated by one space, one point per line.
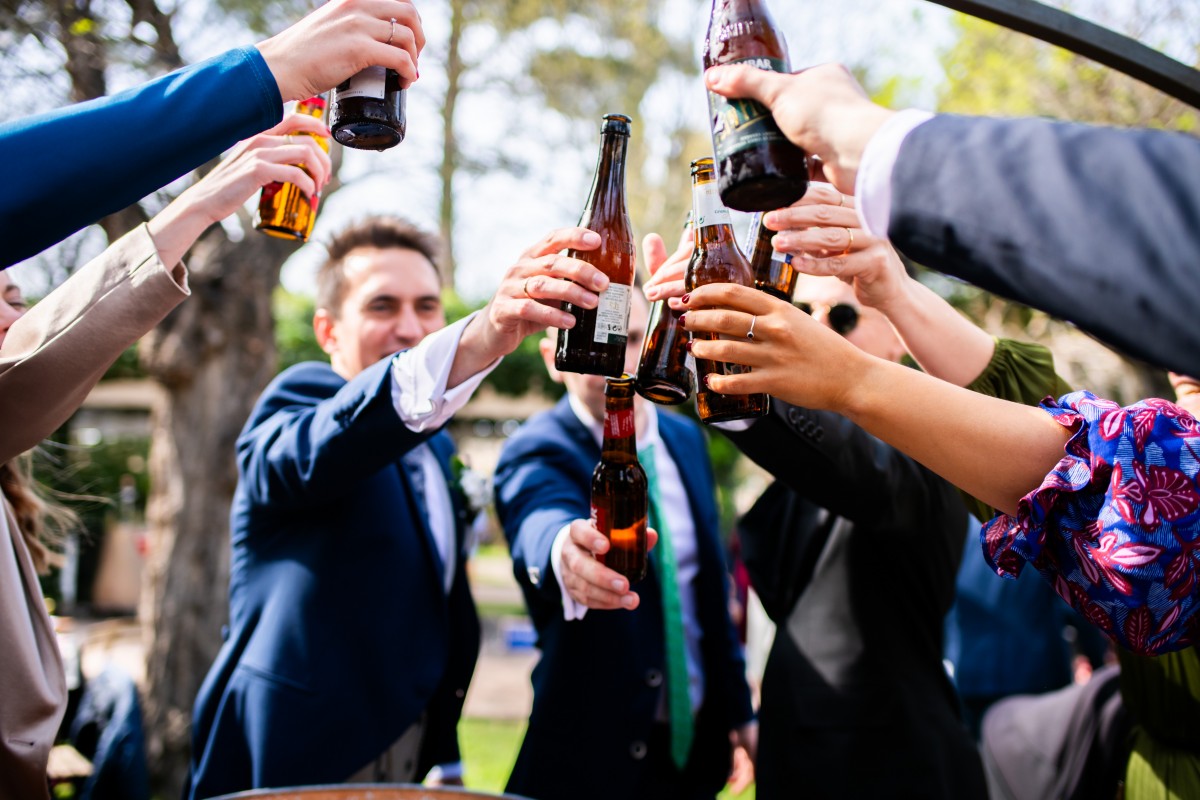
535 575
460 693
654 678
794 416
637 750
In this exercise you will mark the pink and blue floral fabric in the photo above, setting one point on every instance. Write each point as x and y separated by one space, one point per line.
1115 527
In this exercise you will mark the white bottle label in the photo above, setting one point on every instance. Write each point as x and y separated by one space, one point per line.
371 82
706 206
612 314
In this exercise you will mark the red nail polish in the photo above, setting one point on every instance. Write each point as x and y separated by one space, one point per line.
707 385
686 297
688 345
682 319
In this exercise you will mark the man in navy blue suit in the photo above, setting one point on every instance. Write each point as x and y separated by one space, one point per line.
599 726
352 633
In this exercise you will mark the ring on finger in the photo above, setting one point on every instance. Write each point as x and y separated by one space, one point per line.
849 243
750 333
525 289
391 32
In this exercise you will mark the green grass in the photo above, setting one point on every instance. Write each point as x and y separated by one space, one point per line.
489 748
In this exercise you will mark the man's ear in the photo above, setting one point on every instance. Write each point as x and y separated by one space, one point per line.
325 327
546 346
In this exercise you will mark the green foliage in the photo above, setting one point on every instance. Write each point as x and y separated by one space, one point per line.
294 336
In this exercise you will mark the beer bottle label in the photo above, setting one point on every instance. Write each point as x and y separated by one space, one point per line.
707 208
612 315
371 82
741 124
618 424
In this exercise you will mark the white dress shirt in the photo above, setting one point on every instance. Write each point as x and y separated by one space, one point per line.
873 185
421 399
678 512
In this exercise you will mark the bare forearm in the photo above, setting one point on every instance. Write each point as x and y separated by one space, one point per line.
992 449
945 343
176 228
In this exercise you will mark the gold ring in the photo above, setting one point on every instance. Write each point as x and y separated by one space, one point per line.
841 199
750 333
391 31
849 244
525 289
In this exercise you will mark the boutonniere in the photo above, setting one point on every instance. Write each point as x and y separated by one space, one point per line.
474 488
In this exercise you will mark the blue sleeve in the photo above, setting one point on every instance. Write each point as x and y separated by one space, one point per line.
74 165
539 488
314 438
1097 226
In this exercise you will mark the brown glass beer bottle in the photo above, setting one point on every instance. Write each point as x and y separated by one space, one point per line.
758 168
283 210
717 259
620 499
773 272
664 373
596 344
368 110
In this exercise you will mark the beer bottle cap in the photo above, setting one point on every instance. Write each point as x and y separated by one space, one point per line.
616 123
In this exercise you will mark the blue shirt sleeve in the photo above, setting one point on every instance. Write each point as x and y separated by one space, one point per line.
75 165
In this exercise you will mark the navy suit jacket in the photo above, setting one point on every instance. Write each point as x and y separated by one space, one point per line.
1098 226
597 686
341 634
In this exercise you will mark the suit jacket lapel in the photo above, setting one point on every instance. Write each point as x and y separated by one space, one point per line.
410 480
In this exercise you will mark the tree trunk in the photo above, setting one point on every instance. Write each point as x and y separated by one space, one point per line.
213 356
450 155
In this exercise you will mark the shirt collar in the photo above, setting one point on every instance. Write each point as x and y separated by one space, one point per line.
596 427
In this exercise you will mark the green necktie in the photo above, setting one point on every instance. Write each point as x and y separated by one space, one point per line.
679 702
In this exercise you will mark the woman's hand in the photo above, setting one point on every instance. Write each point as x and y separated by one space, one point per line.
667 273
791 356
822 234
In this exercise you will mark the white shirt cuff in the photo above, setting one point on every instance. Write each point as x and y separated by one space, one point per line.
873 186
571 609
419 378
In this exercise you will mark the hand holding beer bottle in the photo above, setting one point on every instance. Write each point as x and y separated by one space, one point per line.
284 210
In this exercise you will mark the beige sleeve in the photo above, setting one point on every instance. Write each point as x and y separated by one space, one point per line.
54 355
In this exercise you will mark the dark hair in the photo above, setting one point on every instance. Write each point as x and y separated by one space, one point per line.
377 233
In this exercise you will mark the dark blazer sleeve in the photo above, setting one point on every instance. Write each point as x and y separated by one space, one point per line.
121 148
540 486
1098 226
313 436
835 464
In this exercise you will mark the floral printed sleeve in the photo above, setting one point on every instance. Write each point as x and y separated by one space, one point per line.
1115 527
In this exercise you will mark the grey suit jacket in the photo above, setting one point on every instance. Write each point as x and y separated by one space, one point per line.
1098 226
50 359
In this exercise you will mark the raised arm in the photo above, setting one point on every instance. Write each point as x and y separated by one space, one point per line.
113 151
54 354
994 450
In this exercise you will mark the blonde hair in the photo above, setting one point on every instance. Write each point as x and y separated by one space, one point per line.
43 522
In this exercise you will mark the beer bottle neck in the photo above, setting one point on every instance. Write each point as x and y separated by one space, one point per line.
620 439
711 220
608 185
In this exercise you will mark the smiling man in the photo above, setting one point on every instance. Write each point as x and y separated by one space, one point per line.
352 631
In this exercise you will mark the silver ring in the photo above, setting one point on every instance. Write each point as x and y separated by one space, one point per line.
391 32
750 333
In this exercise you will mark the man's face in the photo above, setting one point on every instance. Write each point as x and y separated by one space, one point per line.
392 302
590 388
871 333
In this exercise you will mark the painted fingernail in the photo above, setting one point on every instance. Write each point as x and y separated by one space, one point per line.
688 345
683 319
708 381
686 297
